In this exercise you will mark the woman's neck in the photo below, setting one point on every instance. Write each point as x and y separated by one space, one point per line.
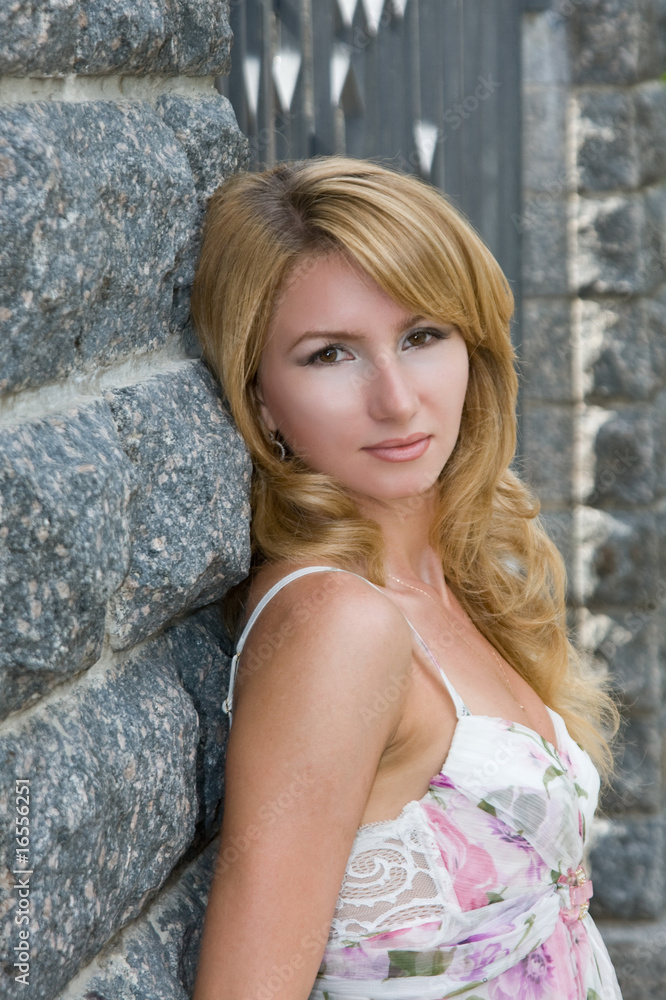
405 525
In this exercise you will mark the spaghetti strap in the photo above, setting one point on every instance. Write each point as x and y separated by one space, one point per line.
461 708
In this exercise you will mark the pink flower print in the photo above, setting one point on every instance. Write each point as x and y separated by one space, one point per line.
441 781
504 832
471 867
354 962
544 974
475 966
530 979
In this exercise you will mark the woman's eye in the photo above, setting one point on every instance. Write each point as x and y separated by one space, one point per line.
420 337
327 356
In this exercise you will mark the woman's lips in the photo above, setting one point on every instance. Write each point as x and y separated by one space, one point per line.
400 452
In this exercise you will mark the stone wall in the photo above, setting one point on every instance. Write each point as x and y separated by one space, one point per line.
123 493
594 235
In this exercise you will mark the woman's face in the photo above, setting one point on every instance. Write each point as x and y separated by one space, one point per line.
357 387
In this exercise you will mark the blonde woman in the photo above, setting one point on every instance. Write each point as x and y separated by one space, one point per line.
416 748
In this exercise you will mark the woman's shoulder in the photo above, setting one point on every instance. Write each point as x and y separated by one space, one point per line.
324 633
315 600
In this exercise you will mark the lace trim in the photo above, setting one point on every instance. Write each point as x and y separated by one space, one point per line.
393 880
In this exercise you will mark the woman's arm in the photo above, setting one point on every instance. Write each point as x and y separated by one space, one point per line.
301 762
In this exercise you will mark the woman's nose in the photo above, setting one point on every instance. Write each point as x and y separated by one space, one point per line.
391 391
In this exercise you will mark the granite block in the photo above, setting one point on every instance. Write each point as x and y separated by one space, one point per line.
64 546
543 225
548 430
111 765
638 954
200 651
614 247
626 642
97 37
97 206
189 510
622 348
605 143
157 955
637 785
620 554
627 869
544 139
547 358
613 41
623 464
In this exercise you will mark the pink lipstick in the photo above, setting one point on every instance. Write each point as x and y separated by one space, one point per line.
400 449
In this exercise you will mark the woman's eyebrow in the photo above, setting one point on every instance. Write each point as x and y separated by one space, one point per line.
351 334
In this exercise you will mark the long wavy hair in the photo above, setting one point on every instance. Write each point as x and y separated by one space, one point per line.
261 229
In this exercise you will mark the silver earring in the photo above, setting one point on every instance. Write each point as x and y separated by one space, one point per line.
281 448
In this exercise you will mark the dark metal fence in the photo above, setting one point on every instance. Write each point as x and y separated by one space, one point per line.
428 86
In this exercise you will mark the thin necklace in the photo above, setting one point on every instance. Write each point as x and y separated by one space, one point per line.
460 634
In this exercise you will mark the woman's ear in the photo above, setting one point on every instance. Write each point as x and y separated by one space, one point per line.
264 412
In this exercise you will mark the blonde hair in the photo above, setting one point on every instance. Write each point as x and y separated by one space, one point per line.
497 558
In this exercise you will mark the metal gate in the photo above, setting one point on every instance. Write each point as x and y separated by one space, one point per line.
431 87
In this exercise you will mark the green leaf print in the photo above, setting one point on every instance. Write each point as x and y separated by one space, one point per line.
592 995
580 791
486 806
495 897
528 927
551 773
555 875
418 963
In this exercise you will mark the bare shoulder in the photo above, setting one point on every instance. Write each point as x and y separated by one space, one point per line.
322 634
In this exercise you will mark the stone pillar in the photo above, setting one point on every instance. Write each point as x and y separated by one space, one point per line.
595 346
123 494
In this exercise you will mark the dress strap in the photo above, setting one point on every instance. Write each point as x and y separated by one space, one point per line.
461 708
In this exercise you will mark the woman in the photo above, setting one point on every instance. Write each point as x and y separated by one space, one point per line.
405 617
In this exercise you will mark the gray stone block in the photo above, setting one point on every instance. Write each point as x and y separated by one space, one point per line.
544 49
547 441
623 456
637 785
207 130
650 111
544 140
638 953
627 869
133 968
189 511
546 361
543 225
614 250
560 529
111 764
620 553
200 651
57 37
64 548
623 348
627 643
659 417
157 955
178 913
605 145
97 205
612 41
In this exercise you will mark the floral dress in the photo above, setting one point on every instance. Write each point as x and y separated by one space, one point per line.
477 890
